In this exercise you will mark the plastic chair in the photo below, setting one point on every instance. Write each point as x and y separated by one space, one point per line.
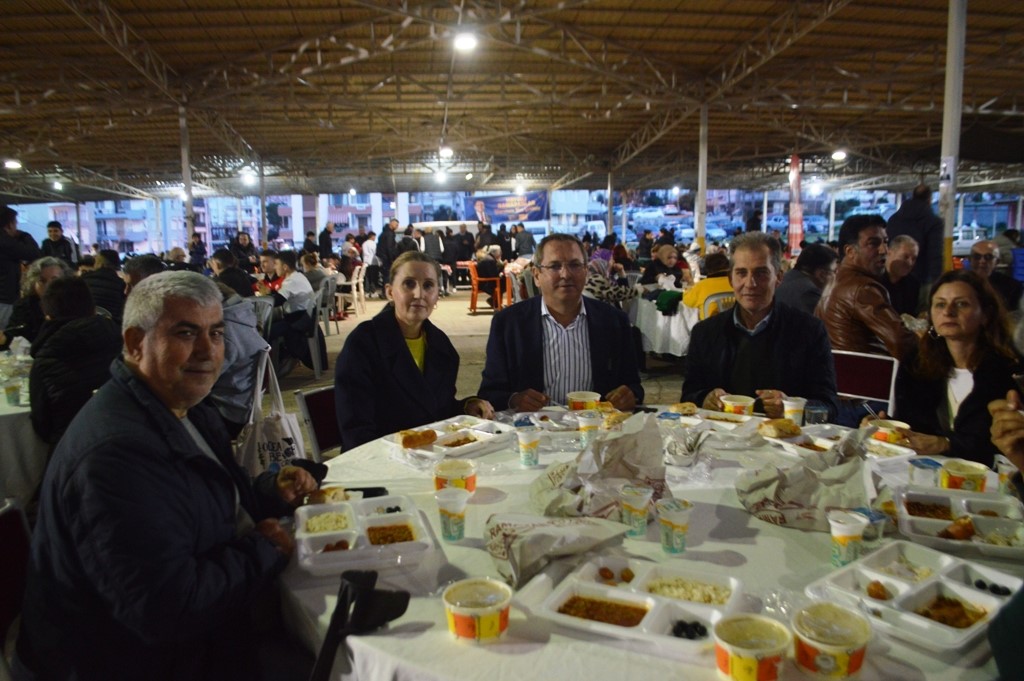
359 288
264 313
475 280
317 409
15 538
720 301
313 338
863 376
327 304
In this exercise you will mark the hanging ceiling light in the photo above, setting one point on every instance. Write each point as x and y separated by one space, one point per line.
838 155
352 191
520 189
446 152
465 41
441 176
58 185
469 176
12 164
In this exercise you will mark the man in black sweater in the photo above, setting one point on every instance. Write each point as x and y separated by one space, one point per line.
759 348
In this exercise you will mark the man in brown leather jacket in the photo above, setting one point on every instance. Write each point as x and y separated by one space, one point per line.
856 309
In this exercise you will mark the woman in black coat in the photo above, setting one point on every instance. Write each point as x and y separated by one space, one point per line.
397 370
964 362
27 315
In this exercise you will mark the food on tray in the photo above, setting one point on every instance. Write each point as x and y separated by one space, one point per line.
689 630
614 420
728 418
878 591
952 612
607 575
925 510
413 439
340 545
994 589
904 569
879 448
988 513
327 495
457 426
689 590
811 446
389 534
600 610
779 428
606 406
331 521
997 538
684 408
460 441
960 529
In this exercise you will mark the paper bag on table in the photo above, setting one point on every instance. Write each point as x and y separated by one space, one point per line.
801 495
589 486
522 545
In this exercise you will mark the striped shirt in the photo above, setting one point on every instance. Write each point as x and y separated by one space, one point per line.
566 355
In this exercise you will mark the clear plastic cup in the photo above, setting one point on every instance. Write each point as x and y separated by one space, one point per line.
674 523
815 414
793 409
529 445
634 500
11 390
590 421
847 536
451 504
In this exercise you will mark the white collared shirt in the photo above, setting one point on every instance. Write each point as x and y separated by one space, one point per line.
566 355
297 292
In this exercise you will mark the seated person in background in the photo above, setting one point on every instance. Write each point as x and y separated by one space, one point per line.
226 271
72 352
815 269
964 362
310 245
759 348
903 287
856 308
86 263
244 251
312 271
268 268
397 371
106 285
716 280
984 256
620 255
558 342
604 249
244 346
27 315
665 262
174 546
292 321
1006 242
489 265
138 268
603 284
177 259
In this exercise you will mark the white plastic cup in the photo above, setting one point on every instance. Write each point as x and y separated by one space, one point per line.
635 499
847 536
737 404
830 641
451 504
529 445
793 409
589 421
674 523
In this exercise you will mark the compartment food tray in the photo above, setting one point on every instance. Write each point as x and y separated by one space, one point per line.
913 575
1009 519
365 514
486 435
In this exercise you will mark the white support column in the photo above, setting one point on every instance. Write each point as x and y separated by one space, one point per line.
764 211
960 211
78 223
402 208
1020 211
238 213
610 217
377 212
161 228
298 219
264 229
186 172
700 203
951 112
832 217
322 213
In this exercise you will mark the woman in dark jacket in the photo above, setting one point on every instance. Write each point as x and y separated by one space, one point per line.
244 251
72 352
27 316
964 362
397 370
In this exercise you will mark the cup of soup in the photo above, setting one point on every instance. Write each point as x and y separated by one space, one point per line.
750 648
477 609
737 404
830 640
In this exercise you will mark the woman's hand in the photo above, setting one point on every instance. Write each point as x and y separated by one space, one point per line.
713 400
294 484
479 407
1008 428
925 445
772 401
869 420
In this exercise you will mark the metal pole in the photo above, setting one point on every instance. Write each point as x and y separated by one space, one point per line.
951 112
78 224
610 218
700 207
1020 211
832 217
764 211
186 173
264 230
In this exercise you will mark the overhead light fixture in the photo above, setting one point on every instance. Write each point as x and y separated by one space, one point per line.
58 185
446 152
465 41
675 190
469 176
520 189
12 164
838 155
183 196
440 176
352 191
816 187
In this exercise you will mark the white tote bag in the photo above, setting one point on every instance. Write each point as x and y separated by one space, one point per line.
268 442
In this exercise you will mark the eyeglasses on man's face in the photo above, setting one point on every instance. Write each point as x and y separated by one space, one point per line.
987 257
574 267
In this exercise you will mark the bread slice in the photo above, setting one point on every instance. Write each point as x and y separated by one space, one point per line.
684 408
412 439
327 495
781 428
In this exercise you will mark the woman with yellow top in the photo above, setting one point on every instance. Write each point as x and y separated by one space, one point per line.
397 370
716 280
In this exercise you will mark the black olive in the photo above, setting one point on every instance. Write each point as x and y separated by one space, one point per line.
980 584
678 629
701 630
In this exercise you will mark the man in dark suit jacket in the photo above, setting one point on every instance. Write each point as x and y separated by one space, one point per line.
588 343
327 242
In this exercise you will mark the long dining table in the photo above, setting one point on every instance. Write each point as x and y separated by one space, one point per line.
774 563
664 334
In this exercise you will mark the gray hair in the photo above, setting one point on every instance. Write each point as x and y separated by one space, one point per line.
35 272
145 304
538 255
753 241
902 240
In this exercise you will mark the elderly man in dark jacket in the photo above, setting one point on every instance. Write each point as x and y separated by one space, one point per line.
16 247
152 545
760 348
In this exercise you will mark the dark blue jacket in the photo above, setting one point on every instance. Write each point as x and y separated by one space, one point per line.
515 352
378 389
136 570
801 358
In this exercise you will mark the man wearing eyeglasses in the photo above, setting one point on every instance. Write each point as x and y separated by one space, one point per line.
984 257
549 345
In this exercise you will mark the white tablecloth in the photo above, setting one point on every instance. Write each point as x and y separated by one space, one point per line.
663 333
722 538
22 454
